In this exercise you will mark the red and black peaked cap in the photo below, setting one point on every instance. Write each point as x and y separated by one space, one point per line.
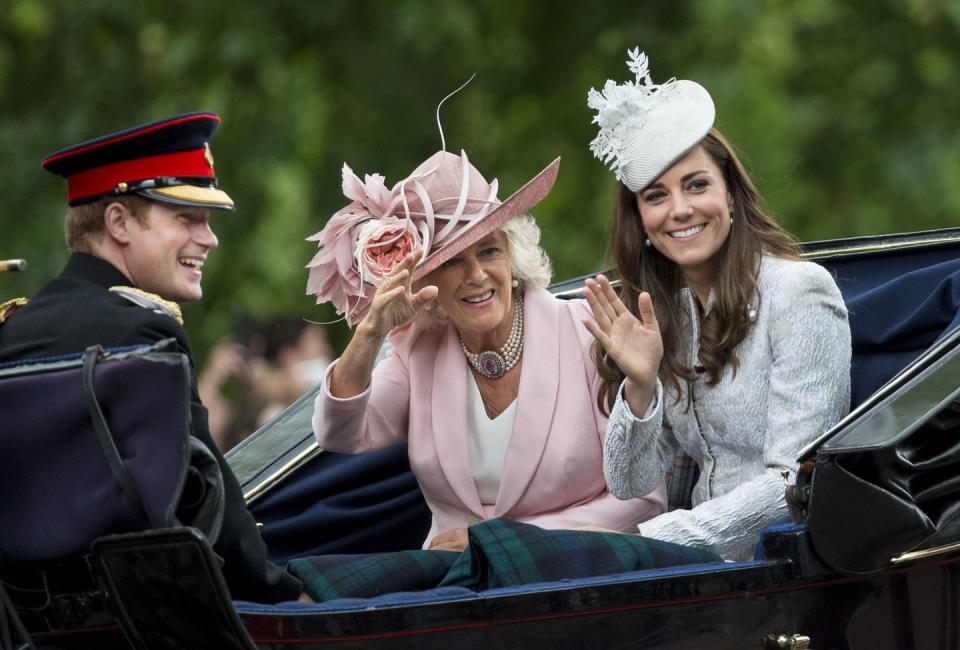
167 161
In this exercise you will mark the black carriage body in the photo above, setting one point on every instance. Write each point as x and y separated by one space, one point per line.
313 502
726 607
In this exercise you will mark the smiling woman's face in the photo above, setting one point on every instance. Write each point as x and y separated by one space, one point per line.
474 291
686 213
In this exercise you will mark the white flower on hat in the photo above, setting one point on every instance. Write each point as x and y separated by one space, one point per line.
622 108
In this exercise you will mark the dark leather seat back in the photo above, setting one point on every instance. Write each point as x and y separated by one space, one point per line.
78 462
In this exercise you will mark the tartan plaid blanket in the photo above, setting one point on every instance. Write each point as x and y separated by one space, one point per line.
501 553
680 479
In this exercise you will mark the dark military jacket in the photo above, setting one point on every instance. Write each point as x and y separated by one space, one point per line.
76 310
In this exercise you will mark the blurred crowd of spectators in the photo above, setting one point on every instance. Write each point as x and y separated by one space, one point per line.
253 375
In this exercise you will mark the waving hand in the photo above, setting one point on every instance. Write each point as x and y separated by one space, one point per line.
393 304
634 344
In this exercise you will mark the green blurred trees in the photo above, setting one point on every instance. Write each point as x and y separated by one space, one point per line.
845 112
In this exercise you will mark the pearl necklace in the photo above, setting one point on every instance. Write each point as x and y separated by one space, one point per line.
495 364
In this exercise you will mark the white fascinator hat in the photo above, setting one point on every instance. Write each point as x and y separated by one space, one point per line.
646 127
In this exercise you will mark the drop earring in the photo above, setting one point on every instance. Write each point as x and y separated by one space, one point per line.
515 283
647 242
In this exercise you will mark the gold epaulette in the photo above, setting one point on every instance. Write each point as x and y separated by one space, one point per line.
11 306
150 301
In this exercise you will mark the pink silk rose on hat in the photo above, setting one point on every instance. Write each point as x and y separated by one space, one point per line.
359 246
382 244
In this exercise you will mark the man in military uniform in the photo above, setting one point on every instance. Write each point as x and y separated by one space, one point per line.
138 229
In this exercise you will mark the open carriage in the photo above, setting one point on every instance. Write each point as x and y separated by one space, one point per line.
875 562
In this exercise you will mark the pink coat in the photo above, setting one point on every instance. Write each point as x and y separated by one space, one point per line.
553 476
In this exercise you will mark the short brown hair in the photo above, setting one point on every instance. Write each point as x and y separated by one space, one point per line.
85 221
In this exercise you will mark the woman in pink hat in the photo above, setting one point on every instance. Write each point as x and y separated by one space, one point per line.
723 344
489 377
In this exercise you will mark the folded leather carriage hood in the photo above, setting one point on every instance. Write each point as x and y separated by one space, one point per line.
884 484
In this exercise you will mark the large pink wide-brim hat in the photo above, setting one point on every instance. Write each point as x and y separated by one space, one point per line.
442 176
444 206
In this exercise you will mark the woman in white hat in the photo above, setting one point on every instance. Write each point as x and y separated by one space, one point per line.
722 344
490 378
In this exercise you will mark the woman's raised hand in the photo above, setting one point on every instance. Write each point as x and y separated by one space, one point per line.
394 303
634 344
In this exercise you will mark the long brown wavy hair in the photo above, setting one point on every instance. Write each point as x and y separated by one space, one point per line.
644 268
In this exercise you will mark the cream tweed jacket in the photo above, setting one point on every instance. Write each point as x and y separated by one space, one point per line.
793 382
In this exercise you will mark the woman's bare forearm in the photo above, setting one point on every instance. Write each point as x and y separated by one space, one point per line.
351 375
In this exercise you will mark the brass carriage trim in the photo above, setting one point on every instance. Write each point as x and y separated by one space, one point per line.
925 553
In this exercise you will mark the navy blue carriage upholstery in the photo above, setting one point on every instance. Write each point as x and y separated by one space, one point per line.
342 503
900 304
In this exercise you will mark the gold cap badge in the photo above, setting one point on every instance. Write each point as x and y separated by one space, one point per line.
207 154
